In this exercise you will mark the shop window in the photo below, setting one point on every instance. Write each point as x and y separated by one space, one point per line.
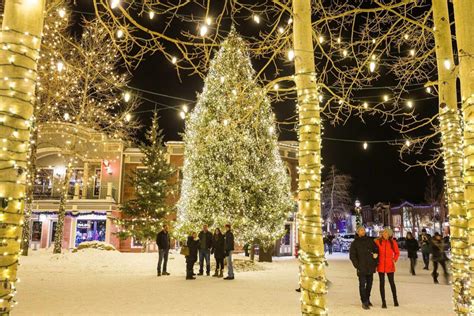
90 230
285 240
36 231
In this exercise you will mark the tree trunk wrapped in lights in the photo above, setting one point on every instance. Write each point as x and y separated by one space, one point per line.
464 29
20 40
31 175
450 125
311 250
233 172
58 237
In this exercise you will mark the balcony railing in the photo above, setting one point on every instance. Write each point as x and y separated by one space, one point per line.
45 192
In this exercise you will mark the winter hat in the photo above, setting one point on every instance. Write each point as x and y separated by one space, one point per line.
389 231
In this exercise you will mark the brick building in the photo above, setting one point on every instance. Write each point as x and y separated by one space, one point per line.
98 185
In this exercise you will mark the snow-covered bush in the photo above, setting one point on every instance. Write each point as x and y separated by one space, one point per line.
100 245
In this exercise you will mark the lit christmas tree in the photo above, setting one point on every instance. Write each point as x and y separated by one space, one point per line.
232 171
143 216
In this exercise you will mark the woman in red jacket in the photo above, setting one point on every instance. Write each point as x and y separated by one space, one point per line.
388 256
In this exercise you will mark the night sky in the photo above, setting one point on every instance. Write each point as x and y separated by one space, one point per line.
378 175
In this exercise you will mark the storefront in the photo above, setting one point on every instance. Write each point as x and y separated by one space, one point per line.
78 228
90 228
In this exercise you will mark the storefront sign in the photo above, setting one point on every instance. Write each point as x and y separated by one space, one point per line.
83 224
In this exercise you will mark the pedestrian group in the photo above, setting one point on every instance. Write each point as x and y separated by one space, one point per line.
200 246
369 255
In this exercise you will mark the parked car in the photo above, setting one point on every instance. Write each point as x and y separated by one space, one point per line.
345 242
401 242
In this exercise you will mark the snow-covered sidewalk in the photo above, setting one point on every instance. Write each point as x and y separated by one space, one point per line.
93 282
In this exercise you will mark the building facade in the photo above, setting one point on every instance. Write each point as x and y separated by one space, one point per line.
100 182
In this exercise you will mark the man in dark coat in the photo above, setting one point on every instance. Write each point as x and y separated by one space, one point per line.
412 250
425 242
439 257
163 243
205 245
229 248
191 258
363 254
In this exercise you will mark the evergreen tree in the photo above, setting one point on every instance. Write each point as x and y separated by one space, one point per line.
143 216
233 172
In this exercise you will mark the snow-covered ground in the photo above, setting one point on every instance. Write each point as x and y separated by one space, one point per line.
93 282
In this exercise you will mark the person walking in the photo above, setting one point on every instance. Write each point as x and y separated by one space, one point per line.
388 256
163 243
229 248
439 257
425 241
412 249
330 240
363 254
191 258
218 245
205 245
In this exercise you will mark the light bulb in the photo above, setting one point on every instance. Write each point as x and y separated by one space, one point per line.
185 108
281 30
344 53
62 12
66 116
119 33
151 15
407 143
412 52
174 60
127 96
182 114
385 97
208 21
128 117
256 18
447 64
114 4
203 30
365 145
276 86
372 66
365 105
291 55
428 89
410 104
60 66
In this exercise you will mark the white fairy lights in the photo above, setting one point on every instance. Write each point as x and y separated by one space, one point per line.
114 4
203 30
291 55
215 133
